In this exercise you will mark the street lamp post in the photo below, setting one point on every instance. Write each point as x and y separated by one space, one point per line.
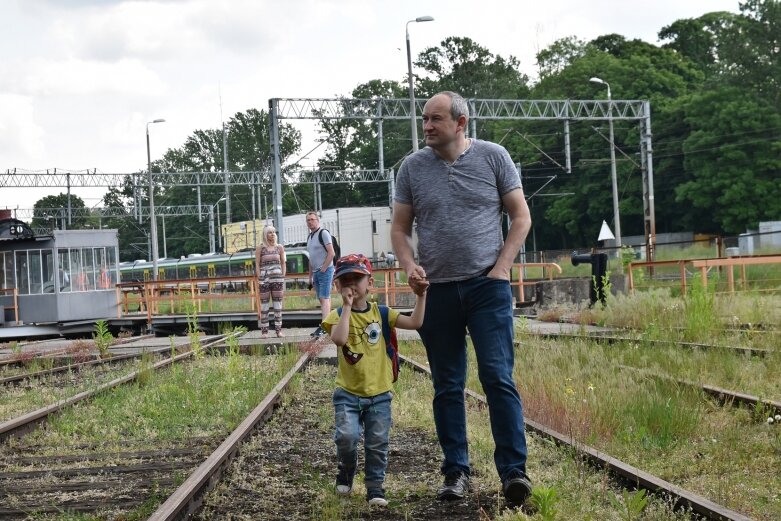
616 214
165 246
153 222
413 117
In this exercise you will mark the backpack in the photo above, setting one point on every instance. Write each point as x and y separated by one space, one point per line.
391 342
334 243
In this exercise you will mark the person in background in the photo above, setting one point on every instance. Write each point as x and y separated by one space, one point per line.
65 280
104 280
364 378
80 281
455 184
321 269
270 266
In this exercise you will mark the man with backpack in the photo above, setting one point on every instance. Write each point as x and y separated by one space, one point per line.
320 246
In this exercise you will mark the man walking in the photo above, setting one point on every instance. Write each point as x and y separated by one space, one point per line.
321 267
455 189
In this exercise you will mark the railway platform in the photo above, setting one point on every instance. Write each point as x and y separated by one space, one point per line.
298 333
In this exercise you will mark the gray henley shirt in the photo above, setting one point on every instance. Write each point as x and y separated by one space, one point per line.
457 207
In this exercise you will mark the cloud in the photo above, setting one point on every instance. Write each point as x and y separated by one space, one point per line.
79 77
20 135
164 31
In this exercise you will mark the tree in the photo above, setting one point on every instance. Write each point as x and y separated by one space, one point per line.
461 65
52 212
698 39
733 152
132 237
354 144
751 49
247 135
559 55
740 49
635 70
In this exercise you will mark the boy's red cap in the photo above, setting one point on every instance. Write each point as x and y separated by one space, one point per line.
353 263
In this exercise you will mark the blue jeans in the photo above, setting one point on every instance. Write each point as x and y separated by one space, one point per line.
355 414
322 281
484 306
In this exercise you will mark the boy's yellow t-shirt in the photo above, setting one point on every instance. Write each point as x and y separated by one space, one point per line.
364 367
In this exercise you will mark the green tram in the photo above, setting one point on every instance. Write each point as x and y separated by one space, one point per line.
209 265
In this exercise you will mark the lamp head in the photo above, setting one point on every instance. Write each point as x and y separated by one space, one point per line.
424 19
153 121
597 80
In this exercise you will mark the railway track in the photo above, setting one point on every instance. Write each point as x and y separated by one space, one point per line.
631 476
63 356
97 479
78 366
614 339
26 422
190 495
187 499
723 396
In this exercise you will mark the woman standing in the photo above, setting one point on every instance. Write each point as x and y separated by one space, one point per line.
270 270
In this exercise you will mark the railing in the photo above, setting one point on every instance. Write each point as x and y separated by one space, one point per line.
730 263
549 267
686 268
223 294
216 294
15 297
654 267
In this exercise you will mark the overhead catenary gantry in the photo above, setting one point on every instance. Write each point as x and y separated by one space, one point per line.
380 109
59 178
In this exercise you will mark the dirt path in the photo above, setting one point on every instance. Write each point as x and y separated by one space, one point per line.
287 470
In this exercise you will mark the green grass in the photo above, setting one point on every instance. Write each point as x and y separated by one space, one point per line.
206 397
672 431
39 392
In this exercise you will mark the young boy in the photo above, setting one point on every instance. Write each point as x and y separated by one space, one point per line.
364 378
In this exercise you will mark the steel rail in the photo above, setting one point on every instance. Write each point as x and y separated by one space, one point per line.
629 474
78 366
751 351
39 355
189 496
22 424
724 396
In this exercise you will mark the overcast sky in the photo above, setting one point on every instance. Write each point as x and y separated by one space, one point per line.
79 79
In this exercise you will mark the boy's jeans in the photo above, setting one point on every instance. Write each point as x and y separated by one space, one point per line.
355 414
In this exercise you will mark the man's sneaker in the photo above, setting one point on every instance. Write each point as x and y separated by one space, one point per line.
344 483
376 497
517 487
317 333
455 486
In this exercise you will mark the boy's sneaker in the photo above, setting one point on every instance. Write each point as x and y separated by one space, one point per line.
344 483
455 486
376 497
517 487
317 333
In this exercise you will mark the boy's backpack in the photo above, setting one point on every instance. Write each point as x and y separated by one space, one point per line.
391 342
334 243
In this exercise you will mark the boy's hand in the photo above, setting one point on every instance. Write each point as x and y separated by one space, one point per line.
419 286
348 295
416 278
